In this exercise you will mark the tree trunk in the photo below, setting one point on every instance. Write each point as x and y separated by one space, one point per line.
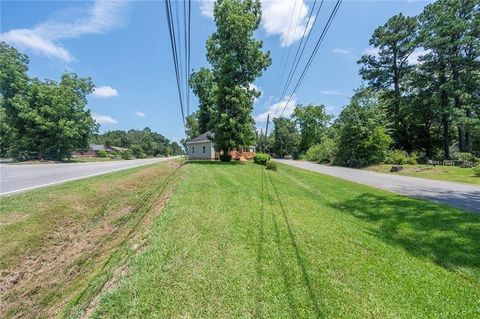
461 138
468 134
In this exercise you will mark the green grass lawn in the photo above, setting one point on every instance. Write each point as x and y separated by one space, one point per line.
60 244
236 241
446 173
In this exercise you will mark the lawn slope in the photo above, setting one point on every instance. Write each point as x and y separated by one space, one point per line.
238 241
442 173
61 244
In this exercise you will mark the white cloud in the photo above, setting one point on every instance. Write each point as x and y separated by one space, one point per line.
334 92
413 58
206 8
276 16
341 51
371 51
43 39
140 114
276 109
104 119
104 91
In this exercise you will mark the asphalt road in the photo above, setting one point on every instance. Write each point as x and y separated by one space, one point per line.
459 195
23 177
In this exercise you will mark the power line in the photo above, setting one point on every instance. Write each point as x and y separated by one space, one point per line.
299 53
315 50
297 58
173 44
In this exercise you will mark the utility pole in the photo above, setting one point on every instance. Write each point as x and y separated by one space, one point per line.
266 129
260 140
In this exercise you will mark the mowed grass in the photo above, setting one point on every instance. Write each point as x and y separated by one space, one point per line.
236 241
61 244
445 173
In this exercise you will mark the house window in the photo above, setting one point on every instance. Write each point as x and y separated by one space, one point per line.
203 149
193 149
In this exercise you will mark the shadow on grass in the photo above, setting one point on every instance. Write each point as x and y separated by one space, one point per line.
300 261
211 162
444 235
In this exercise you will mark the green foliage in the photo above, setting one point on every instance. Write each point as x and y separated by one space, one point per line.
464 156
137 151
433 105
237 60
312 121
399 157
323 152
261 158
386 72
192 128
362 138
126 155
102 153
225 157
286 138
152 143
43 119
205 88
271 165
476 170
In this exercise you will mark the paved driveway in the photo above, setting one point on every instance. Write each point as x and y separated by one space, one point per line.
23 177
459 195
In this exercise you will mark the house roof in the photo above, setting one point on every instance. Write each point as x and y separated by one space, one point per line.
205 137
118 148
97 147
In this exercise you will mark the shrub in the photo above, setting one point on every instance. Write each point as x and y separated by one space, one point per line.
127 155
476 170
464 156
225 157
137 151
399 157
322 153
261 158
112 155
396 157
272 166
101 153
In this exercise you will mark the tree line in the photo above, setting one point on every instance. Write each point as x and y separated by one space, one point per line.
142 143
49 120
420 96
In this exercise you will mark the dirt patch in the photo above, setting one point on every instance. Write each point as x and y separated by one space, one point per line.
70 254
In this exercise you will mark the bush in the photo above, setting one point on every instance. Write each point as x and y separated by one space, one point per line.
272 166
101 153
399 157
112 155
137 151
464 157
225 157
261 158
322 153
127 155
476 170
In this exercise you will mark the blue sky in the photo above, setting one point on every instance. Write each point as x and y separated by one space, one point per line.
124 47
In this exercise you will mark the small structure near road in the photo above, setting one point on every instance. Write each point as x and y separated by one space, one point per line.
203 147
95 148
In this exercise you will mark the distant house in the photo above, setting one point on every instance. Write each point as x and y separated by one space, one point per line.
203 147
117 149
93 150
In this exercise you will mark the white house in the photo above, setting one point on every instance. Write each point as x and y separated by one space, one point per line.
201 147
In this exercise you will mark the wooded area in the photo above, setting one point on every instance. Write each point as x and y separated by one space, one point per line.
50 120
